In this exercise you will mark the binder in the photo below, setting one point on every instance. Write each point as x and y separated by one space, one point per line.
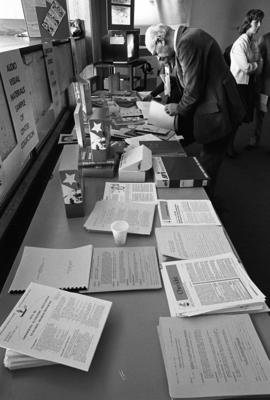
180 172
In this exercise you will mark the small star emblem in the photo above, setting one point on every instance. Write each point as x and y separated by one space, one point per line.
97 127
70 179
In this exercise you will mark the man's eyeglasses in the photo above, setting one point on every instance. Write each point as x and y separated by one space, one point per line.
161 58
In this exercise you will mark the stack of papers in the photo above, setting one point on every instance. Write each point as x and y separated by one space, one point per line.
53 325
124 268
139 216
216 284
187 212
215 356
61 268
141 192
185 242
14 360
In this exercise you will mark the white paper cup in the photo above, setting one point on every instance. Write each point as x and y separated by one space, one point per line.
120 230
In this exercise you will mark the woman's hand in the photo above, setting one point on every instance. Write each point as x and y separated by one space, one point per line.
171 109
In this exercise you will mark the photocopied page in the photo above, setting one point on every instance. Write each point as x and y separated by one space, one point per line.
55 325
187 212
141 192
216 356
139 216
144 106
125 268
185 242
158 117
61 268
207 285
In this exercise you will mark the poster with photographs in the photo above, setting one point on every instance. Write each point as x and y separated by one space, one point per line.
53 20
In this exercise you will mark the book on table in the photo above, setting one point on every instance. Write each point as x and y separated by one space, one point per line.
168 148
214 356
178 172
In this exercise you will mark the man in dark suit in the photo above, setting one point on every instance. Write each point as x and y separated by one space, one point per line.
210 108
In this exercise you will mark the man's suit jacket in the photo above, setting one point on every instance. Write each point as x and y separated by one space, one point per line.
210 95
264 46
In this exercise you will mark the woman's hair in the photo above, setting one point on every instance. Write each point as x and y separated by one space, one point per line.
154 33
251 15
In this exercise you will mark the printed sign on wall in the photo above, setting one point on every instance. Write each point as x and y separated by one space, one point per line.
48 52
17 93
53 20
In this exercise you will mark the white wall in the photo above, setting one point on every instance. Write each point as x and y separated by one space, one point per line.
220 18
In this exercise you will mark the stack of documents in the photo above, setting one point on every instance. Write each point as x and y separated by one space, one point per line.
53 325
14 360
185 242
137 191
124 268
214 356
138 215
216 284
187 212
61 268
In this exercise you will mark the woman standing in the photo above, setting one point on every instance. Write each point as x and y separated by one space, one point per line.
246 62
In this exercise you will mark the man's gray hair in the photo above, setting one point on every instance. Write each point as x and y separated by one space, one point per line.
155 32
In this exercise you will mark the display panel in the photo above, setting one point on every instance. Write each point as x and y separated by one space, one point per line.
120 46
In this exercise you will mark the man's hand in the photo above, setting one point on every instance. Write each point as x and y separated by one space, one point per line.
171 109
148 97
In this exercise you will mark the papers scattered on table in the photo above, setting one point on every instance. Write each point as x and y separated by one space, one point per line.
215 356
187 212
141 192
185 242
54 325
61 268
139 216
125 268
209 285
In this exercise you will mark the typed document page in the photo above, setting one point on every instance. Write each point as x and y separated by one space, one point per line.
187 212
62 268
138 215
55 325
185 242
125 268
210 284
213 356
140 192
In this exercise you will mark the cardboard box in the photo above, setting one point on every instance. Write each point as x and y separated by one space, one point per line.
71 181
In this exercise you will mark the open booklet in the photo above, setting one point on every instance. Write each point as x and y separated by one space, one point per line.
214 356
139 216
54 325
209 285
124 268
